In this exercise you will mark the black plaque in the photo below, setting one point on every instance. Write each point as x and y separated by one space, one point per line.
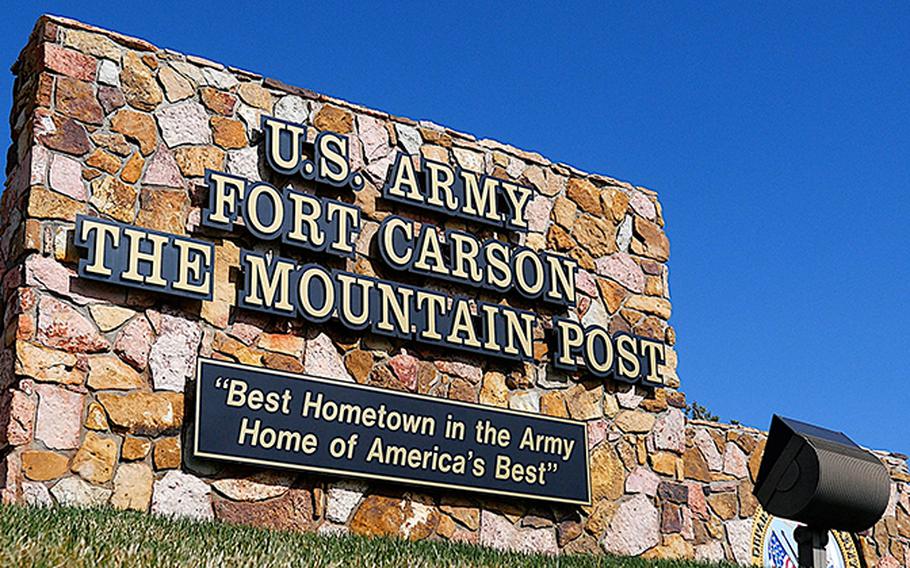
284 420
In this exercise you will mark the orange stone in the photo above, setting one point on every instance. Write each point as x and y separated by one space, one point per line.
334 119
39 465
167 453
228 133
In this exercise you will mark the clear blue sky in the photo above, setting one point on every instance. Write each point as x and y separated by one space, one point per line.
778 137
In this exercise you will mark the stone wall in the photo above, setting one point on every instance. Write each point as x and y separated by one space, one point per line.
95 378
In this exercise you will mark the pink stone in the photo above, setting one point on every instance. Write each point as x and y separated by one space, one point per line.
735 462
69 62
66 177
705 443
697 501
322 359
45 272
888 561
374 136
670 431
162 170
642 205
38 165
585 283
581 308
405 368
499 532
471 373
538 213
634 528
172 359
59 417
247 333
61 326
642 480
21 425
134 342
621 268
597 432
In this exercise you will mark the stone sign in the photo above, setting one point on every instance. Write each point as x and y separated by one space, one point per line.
162 210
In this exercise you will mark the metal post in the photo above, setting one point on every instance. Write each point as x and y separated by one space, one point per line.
812 543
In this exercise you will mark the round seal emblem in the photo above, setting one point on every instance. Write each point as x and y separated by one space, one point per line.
774 546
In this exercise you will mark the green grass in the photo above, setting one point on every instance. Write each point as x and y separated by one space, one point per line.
104 537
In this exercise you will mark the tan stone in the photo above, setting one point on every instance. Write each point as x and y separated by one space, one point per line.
654 243
379 515
462 390
655 403
282 343
39 465
583 401
167 453
755 459
103 160
446 527
46 204
108 372
236 349
334 119
193 160
583 192
137 126
560 239
77 99
723 504
95 419
144 412
47 365
113 142
91 43
664 463
176 87
132 171
612 293
748 504
218 101
595 234
636 422
262 485
611 405
437 137
493 390
115 198
138 84
608 477
600 517
282 362
695 465
163 210
228 133
133 487
654 286
255 96
95 459
674 547
359 363
218 311
564 212
659 307
135 448
462 512
615 202
553 404
108 317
